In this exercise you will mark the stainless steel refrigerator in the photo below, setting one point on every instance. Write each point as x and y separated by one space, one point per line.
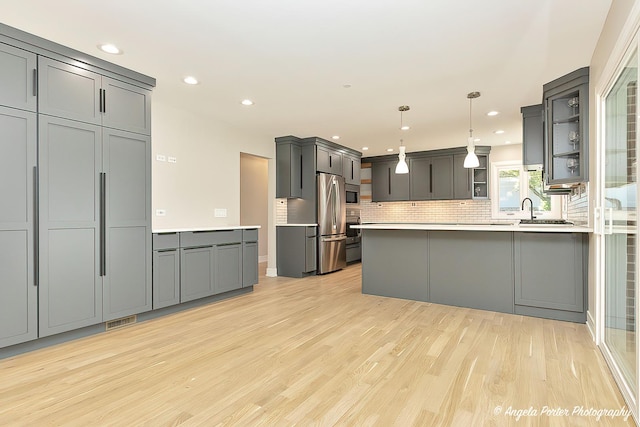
332 223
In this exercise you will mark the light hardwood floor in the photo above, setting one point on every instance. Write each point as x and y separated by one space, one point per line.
314 351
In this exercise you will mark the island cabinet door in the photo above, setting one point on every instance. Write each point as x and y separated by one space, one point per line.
549 271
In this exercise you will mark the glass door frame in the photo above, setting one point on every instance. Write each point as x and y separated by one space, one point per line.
601 229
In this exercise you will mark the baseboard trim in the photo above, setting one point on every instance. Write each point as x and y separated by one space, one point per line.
591 326
272 272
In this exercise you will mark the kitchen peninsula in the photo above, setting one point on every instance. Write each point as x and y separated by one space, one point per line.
534 270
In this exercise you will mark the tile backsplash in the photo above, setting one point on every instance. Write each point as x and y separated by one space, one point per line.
427 211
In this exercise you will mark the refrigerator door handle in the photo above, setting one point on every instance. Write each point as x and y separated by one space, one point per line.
333 239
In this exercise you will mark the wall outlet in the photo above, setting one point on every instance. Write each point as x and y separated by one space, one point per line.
161 158
172 159
220 213
161 212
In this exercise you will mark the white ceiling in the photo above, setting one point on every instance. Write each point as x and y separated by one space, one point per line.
293 58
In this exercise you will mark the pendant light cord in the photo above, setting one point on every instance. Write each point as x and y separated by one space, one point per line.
470 115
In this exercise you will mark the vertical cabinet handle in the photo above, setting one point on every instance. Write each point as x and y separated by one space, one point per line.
35 82
352 170
301 173
100 100
36 229
430 178
330 165
103 230
104 100
389 180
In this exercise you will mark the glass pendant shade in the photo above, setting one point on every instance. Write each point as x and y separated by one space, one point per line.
402 166
471 160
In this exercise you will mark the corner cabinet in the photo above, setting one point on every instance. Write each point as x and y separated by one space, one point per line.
566 103
75 162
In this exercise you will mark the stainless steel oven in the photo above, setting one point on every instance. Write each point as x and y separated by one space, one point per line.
352 194
353 218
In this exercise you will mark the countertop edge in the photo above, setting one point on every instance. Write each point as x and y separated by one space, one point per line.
296 225
479 227
217 228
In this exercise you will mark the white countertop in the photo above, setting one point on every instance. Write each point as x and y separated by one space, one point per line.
296 225
217 228
476 227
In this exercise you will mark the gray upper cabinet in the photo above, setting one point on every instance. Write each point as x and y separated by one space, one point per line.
566 103
461 178
69 92
533 136
127 175
386 185
431 178
18 295
126 107
17 78
328 160
289 168
70 290
351 169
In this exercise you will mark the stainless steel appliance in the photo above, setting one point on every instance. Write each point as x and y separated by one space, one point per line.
352 194
353 218
332 253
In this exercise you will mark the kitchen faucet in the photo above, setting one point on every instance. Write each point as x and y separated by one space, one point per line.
531 202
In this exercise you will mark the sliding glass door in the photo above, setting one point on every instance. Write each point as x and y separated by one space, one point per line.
618 190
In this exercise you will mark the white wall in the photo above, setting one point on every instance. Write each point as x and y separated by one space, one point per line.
254 200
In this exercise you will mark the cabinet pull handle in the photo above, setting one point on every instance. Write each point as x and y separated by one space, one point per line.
330 166
352 170
35 82
100 100
389 180
36 229
103 229
301 173
166 250
196 247
430 178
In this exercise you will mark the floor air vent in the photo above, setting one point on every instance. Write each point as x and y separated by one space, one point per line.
119 323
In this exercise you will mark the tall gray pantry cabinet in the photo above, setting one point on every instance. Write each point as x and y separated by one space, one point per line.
75 180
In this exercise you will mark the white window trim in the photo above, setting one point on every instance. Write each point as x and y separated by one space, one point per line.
556 201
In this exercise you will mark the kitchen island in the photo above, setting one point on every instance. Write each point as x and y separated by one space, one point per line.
534 270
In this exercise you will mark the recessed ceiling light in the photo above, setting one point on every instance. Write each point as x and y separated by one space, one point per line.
389 150
507 142
346 86
405 127
493 113
498 132
110 48
335 137
247 102
190 80
476 140
365 148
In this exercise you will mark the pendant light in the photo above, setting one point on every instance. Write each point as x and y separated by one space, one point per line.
402 166
471 161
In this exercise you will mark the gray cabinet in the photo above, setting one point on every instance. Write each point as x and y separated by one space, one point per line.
549 274
17 78
566 103
127 223
197 272
328 160
431 178
533 136
461 178
166 270
351 169
70 202
249 257
18 293
228 267
480 178
386 185
296 250
289 170
78 94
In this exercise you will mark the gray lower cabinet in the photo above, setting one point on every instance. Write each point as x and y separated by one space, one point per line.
197 272
70 246
386 185
228 267
549 275
18 295
166 269
249 257
296 250
17 78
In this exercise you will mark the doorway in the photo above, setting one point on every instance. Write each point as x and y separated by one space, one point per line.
254 201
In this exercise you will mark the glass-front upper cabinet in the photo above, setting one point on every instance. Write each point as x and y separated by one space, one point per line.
566 103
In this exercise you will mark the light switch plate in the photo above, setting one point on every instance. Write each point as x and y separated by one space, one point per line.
161 212
172 159
220 213
161 158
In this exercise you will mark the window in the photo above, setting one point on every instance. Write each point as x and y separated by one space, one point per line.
512 185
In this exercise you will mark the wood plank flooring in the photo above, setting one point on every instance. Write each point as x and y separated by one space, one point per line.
314 351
